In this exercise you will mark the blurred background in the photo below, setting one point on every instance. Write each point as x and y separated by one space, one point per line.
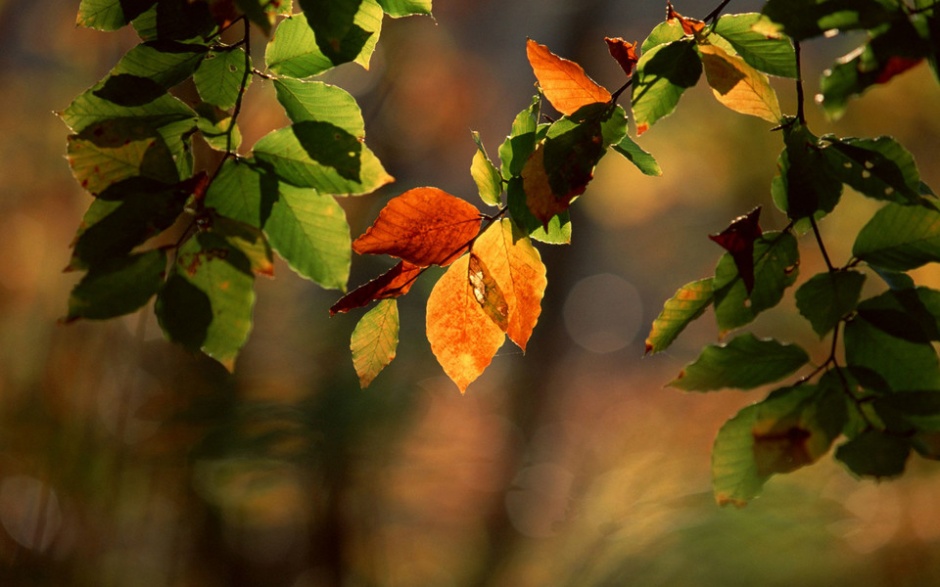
127 461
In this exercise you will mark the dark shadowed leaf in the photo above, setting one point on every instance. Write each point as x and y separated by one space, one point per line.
879 168
118 286
745 362
395 282
874 453
900 237
828 297
802 19
558 231
738 239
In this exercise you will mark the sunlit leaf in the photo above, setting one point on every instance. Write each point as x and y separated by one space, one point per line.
662 75
558 231
249 241
345 30
664 32
110 15
515 150
305 101
374 341
165 63
216 129
686 305
745 362
395 282
624 53
463 337
828 297
221 77
636 155
563 82
118 286
485 175
110 152
516 269
88 109
874 453
739 86
293 51
900 237
773 54
398 8
690 26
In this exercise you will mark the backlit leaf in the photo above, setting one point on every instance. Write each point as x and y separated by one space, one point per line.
687 304
624 53
424 226
662 75
664 32
773 54
739 86
563 82
118 286
517 271
745 362
636 155
220 77
485 175
249 241
166 63
515 150
110 152
398 8
311 100
690 26
345 30
110 15
395 282
293 51
828 297
558 231
900 237
463 337
374 341
88 109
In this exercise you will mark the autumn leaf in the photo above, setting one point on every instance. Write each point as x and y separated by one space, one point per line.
423 226
374 341
691 26
463 337
738 239
393 283
487 292
624 52
739 86
516 269
563 82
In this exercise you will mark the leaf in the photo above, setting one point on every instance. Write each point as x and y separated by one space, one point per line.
88 109
563 82
662 75
463 338
395 282
178 20
110 15
165 63
485 175
220 77
874 453
745 362
738 239
739 86
793 427
423 226
803 19
118 286
305 101
515 150
214 125
900 238
690 26
808 183
880 168
293 51
249 241
263 12
399 8
111 152
207 301
290 153
908 314
374 341
902 364
624 53
558 231
636 155
828 297
686 305
771 53
664 32
776 266
345 30
504 257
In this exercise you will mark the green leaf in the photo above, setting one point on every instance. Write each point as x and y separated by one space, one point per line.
874 453
166 63
399 8
214 125
262 12
345 30
290 153
305 101
661 76
207 301
790 429
247 239
776 266
803 19
772 54
110 15
294 52
900 237
827 297
910 410
558 231
485 175
88 109
220 77
811 188
688 303
909 314
112 151
520 143
904 365
176 20
636 155
745 362
374 341
118 286
879 168
613 125
664 32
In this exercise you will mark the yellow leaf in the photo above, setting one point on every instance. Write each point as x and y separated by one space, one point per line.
739 86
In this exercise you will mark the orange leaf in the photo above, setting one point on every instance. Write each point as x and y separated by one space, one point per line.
623 52
690 26
463 337
517 270
393 283
563 82
423 226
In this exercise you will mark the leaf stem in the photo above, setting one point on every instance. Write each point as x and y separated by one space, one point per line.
616 95
800 115
241 91
822 247
714 14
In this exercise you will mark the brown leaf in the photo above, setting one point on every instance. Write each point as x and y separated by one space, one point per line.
393 283
738 239
624 52
563 82
487 292
690 26
423 226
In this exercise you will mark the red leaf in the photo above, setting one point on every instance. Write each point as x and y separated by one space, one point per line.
895 65
423 226
623 52
393 283
738 239
563 82
690 26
